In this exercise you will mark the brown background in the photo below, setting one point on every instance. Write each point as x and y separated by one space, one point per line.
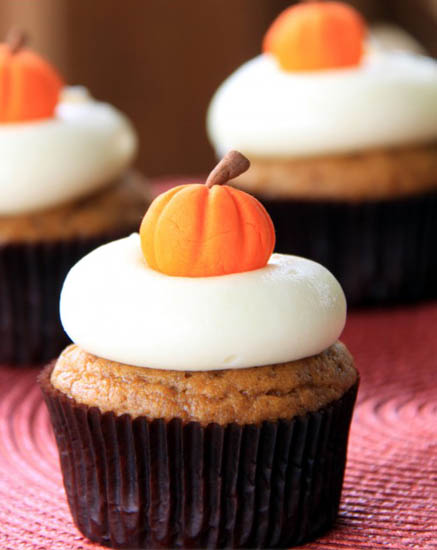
161 60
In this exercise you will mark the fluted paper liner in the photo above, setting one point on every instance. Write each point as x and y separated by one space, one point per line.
380 251
31 278
140 483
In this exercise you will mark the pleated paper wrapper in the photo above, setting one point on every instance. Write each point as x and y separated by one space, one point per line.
31 279
382 252
141 483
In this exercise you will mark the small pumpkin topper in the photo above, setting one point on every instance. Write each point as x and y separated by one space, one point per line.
316 35
204 230
29 86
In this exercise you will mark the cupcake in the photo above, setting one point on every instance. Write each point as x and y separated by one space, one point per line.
206 400
65 188
342 140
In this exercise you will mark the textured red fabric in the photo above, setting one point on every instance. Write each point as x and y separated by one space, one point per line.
390 492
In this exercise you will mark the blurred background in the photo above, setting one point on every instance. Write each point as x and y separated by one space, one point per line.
160 61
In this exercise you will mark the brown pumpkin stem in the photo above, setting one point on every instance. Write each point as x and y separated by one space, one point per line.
232 165
16 40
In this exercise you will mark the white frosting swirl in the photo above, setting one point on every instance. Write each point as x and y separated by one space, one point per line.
391 37
389 100
113 305
46 163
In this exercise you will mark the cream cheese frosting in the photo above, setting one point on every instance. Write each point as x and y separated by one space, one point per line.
114 306
389 100
391 37
45 163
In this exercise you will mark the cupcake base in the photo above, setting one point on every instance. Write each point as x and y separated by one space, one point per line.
38 249
141 483
31 278
380 251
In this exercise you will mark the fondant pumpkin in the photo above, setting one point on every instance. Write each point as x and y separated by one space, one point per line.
316 35
198 230
29 86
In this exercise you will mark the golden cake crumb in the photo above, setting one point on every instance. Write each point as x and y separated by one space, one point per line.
370 175
114 208
245 396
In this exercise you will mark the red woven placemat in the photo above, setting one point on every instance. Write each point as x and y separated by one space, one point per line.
390 492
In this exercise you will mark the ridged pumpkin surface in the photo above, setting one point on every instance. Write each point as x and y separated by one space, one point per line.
196 231
29 86
316 35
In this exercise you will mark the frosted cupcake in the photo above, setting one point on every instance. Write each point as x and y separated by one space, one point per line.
64 189
343 145
206 400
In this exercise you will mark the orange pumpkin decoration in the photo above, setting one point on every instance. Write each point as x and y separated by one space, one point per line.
29 86
316 35
200 230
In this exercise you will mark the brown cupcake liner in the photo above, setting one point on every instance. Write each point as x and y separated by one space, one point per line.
31 278
380 251
140 483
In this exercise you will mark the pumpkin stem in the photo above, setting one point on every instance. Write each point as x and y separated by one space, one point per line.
232 165
16 40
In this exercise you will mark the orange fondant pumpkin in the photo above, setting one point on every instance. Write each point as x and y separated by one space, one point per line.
29 86
316 35
196 231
